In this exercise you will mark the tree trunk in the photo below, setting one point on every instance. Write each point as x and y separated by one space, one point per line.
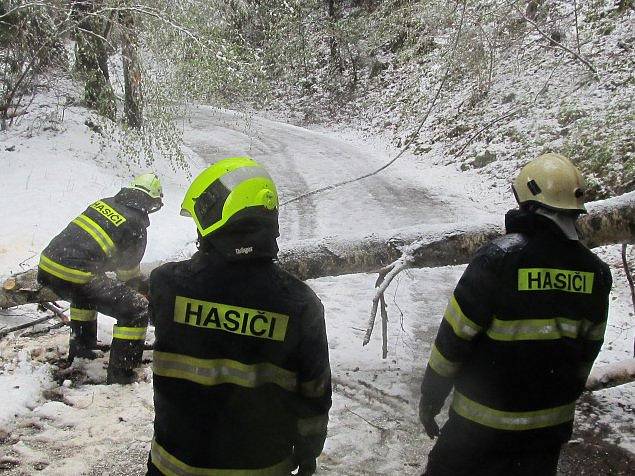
133 104
91 59
608 222
333 46
611 375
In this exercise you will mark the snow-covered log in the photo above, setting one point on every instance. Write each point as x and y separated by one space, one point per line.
611 375
609 221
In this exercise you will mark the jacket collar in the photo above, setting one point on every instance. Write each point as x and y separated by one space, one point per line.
530 223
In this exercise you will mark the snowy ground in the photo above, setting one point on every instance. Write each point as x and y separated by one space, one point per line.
67 422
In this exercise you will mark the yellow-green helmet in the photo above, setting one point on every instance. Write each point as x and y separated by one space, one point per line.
552 181
227 191
149 184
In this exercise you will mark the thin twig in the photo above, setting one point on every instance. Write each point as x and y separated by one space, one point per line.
484 128
577 32
413 135
46 330
55 310
629 278
557 43
23 6
369 422
4 332
384 327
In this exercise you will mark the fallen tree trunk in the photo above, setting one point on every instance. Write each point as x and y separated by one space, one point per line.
612 375
609 221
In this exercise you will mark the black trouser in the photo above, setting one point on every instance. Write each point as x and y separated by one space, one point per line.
452 455
113 298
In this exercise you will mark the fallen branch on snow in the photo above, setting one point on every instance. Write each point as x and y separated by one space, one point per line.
606 219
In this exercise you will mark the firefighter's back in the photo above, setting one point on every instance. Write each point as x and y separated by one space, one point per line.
226 362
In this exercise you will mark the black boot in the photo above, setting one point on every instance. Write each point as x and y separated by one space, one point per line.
121 376
125 355
82 340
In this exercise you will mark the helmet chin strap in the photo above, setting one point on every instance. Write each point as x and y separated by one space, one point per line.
564 221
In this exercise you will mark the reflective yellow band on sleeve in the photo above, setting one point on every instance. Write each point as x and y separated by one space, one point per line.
129 333
97 232
316 425
128 274
441 365
83 315
317 387
462 326
169 465
63 272
513 421
222 371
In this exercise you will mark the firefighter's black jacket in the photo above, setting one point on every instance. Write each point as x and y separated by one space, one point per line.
110 235
519 337
241 367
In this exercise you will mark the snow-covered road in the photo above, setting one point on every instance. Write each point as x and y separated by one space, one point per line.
301 160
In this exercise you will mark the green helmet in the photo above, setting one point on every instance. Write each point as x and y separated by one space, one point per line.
227 191
149 184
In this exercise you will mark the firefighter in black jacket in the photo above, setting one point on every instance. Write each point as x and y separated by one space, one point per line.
519 336
110 235
241 370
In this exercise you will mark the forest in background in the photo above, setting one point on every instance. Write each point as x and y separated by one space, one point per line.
483 84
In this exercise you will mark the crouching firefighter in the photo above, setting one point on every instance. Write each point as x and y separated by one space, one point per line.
110 235
241 379
519 336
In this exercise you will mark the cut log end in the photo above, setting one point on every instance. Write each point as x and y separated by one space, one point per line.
10 284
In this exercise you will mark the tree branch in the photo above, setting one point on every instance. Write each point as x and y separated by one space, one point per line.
557 43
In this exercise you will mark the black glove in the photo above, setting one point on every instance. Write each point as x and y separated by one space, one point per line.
307 468
426 416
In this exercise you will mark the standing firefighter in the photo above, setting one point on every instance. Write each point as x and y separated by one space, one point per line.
241 369
110 235
519 336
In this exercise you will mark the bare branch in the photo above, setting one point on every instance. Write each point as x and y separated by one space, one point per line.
577 31
386 276
22 7
557 43
35 322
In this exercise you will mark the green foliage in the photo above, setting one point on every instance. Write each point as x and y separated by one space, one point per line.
604 150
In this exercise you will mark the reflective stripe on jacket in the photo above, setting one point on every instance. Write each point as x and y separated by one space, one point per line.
241 371
107 236
519 335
